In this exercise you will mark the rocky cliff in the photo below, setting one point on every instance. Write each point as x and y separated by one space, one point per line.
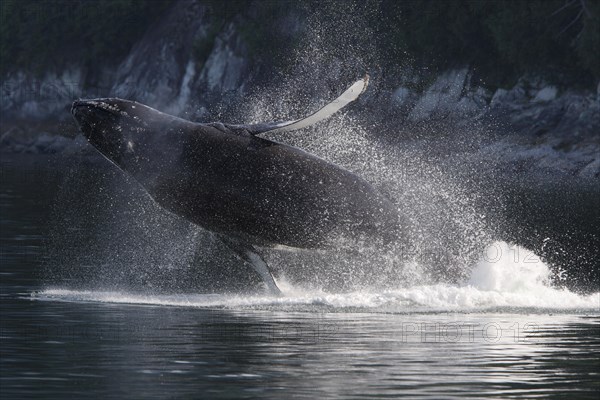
194 63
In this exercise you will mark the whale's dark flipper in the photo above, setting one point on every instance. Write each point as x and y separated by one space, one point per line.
328 110
247 253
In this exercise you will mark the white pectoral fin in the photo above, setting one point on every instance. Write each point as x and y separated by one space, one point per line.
351 94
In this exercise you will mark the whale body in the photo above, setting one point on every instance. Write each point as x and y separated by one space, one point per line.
249 191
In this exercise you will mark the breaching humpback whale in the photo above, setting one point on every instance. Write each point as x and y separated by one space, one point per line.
249 191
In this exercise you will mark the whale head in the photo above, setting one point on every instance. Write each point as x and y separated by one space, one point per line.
126 132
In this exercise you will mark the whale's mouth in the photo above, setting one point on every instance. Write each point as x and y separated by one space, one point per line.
101 123
96 105
92 114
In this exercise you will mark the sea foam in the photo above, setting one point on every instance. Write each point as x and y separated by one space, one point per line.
506 277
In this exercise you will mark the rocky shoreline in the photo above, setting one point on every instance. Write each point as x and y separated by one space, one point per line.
532 126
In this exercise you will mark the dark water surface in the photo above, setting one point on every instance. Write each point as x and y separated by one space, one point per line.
69 340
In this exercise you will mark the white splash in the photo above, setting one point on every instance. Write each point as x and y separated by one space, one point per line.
509 268
506 277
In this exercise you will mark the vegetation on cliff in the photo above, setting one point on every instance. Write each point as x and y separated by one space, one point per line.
503 39
499 39
41 34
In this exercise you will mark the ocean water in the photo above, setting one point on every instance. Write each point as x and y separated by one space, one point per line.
506 329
